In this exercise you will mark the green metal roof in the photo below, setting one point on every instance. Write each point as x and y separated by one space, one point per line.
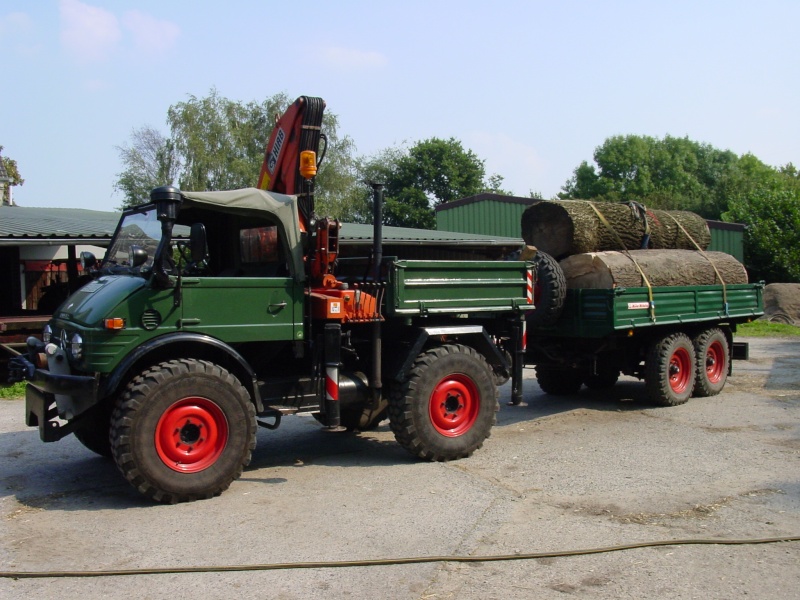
26 225
358 234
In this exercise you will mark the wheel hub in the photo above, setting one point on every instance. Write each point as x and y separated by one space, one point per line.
191 435
454 405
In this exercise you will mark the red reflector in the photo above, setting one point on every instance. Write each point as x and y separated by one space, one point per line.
115 323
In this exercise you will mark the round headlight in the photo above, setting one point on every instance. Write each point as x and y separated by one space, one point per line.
47 333
76 345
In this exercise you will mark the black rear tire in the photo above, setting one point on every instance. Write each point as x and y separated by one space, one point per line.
183 430
549 291
670 370
713 360
447 406
602 380
558 382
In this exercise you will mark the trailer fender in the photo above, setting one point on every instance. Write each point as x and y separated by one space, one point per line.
160 349
471 335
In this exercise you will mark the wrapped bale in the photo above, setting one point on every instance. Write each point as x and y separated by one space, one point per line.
607 270
566 227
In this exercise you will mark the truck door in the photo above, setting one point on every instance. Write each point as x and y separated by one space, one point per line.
254 300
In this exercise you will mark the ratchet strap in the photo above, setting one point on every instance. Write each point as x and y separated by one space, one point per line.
711 262
618 239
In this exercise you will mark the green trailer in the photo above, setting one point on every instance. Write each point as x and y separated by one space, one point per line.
679 340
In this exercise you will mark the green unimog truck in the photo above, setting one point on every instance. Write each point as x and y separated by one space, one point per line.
215 312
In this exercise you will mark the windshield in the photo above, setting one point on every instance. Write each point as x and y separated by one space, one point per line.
140 229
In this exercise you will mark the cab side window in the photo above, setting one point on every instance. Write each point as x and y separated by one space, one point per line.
259 252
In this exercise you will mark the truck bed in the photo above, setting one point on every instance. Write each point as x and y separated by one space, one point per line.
426 287
591 313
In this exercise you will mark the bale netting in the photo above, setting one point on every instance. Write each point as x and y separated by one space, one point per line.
562 228
608 270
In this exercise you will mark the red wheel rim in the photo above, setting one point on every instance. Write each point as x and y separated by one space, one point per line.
680 370
191 435
454 405
715 362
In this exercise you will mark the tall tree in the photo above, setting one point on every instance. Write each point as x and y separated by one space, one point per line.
220 141
14 177
216 143
668 173
430 173
149 160
767 201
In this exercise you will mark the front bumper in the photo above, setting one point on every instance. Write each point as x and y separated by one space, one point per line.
51 398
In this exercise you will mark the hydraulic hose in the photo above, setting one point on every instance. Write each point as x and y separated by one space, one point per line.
386 561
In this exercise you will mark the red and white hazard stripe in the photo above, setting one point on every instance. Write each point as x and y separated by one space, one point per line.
332 384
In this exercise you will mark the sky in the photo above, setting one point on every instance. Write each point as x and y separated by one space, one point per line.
531 87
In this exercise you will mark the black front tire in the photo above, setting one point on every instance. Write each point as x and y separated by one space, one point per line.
94 429
183 430
447 406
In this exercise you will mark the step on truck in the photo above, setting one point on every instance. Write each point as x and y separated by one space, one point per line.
213 313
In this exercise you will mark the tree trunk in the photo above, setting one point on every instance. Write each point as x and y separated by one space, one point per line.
566 227
606 270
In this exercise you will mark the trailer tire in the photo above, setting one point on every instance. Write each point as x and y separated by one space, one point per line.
95 429
446 407
549 291
183 430
670 370
558 382
713 360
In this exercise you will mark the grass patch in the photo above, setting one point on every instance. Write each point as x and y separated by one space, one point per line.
13 391
767 329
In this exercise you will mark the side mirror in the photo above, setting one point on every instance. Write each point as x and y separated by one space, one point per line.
88 260
197 242
138 256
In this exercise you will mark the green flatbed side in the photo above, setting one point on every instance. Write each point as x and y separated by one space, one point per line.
428 287
591 313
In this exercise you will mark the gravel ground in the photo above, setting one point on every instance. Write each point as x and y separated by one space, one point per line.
591 470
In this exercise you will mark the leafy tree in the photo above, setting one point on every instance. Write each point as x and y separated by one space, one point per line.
670 173
216 143
149 160
429 173
767 201
220 141
14 177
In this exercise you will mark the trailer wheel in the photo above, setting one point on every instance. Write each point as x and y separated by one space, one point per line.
670 370
713 359
94 429
549 291
183 430
446 407
558 382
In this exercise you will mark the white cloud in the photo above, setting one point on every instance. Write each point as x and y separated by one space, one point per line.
350 59
88 32
150 35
